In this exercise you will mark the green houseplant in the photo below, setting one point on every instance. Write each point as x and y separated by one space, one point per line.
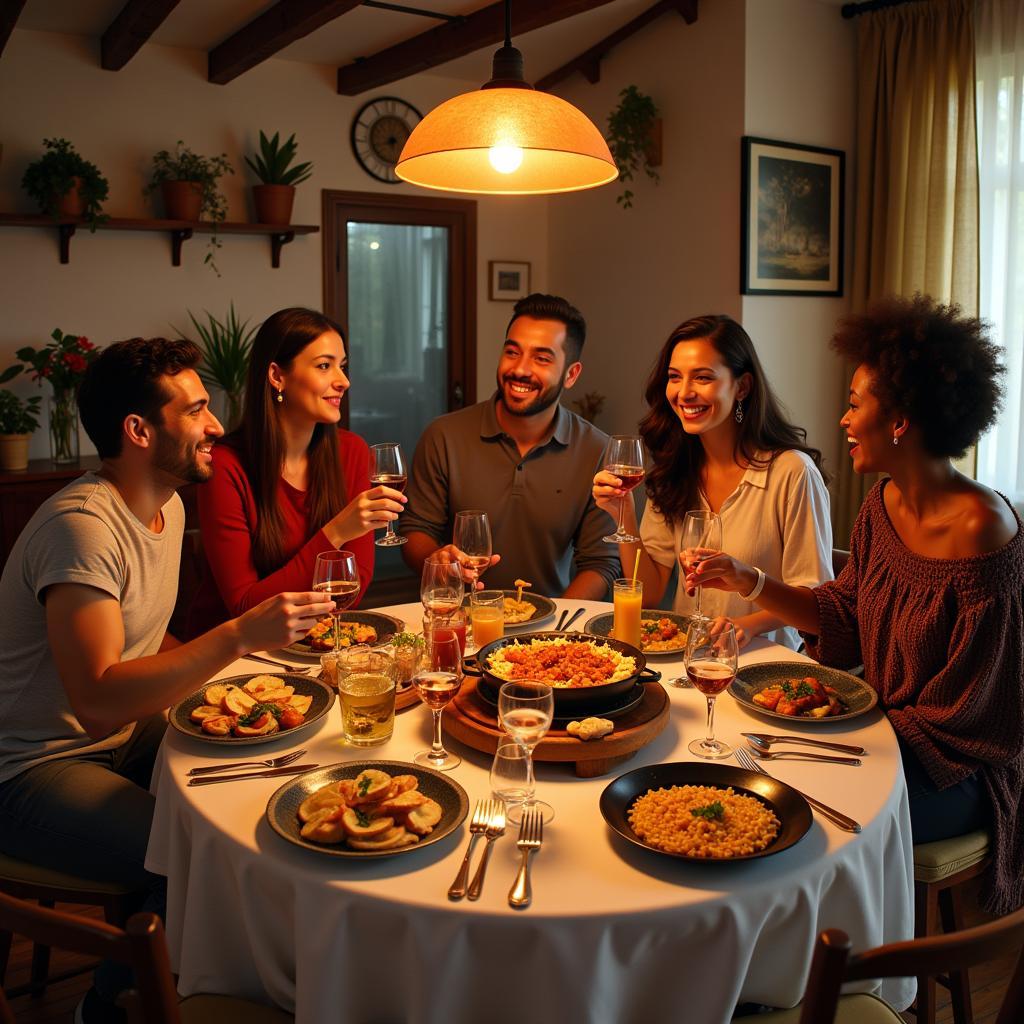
225 346
188 182
65 185
634 138
273 166
17 421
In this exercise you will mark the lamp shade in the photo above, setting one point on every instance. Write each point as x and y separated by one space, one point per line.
506 141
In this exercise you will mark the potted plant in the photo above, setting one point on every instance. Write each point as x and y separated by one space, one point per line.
63 363
65 185
17 421
225 347
272 165
188 183
634 138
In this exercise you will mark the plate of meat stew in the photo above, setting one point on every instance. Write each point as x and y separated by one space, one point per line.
802 691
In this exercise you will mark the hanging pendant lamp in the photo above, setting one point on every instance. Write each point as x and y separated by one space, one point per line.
506 139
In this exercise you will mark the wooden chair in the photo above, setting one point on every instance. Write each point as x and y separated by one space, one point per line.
46 886
142 945
833 965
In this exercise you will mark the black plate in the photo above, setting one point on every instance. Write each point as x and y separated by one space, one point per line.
855 693
283 806
545 610
601 625
629 701
789 806
386 625
322 694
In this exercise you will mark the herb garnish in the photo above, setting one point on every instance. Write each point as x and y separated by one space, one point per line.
364 785
794 691
362 818
711 812
258 711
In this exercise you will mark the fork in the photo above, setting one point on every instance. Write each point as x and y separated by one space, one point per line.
495 829
272 762
837 817
531 836
799 755
482 814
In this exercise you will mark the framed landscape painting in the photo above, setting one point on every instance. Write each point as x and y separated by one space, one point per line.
509 281
792 219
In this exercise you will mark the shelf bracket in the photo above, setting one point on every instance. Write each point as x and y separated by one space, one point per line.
66 231
276 241
178 235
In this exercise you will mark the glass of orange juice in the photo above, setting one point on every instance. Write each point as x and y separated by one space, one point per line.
628 598
487 613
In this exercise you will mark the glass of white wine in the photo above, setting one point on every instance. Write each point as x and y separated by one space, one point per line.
389 471
711 662
472 536
437 681
525 710
701 530
337 576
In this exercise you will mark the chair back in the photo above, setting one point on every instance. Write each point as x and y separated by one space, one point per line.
141 944
833 965
840 556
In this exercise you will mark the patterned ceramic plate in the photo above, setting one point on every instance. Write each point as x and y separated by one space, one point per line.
385 625
858 697
601 625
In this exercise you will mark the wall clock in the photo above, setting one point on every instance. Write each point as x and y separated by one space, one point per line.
379 131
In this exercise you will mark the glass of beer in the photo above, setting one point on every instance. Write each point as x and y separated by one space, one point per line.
367 696
487 613
628 599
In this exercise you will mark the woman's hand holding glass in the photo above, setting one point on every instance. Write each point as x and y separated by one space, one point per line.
624 462
370 510
389 473
719 571
701 532
525 711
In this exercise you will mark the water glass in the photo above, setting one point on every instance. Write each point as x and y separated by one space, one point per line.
525 711
510 775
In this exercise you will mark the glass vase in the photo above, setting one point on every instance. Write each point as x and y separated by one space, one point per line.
63 410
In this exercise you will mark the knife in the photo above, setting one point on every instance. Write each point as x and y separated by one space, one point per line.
561 619
575 615
292 769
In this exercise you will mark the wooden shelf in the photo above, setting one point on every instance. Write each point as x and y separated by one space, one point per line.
179 230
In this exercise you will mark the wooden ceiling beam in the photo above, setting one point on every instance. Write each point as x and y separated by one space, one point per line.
484 27
9 11
127 33
283 24
588 63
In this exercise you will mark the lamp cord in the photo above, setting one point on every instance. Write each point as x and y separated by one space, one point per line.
508 22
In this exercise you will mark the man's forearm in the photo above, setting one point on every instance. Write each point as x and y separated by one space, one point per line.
588 585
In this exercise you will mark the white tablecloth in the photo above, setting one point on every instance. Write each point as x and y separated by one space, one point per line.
615 934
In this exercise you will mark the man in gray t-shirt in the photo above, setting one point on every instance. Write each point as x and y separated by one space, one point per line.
86 666
526 461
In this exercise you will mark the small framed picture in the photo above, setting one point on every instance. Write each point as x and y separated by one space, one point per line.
792 219
509 281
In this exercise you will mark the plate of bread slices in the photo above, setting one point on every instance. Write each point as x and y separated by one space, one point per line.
249 710
364 809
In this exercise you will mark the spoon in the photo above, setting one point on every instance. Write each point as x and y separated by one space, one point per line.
801 755
764 741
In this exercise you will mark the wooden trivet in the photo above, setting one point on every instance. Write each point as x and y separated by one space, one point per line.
471 720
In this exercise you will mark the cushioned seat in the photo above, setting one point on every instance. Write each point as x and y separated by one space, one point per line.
22 872
206 1009
855 1009
935 861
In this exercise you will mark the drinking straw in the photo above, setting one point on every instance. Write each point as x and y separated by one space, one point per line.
636 566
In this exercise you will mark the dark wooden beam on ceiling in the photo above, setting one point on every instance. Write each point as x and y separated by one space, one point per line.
127 33
9 11
588 63
273 30
484 27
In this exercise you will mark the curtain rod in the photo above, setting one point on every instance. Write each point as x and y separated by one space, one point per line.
867 6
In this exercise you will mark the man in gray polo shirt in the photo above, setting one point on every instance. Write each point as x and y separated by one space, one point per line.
525 460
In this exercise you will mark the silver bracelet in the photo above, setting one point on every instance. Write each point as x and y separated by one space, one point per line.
758 586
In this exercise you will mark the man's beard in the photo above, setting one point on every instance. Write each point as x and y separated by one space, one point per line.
180 463
543 400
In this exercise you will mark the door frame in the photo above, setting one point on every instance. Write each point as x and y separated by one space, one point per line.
459 216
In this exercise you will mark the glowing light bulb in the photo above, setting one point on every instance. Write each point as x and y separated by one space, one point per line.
505 159
375 246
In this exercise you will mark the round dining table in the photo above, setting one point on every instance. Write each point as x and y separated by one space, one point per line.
615 933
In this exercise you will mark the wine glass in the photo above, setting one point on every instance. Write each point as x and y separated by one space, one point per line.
701 529
337 575
711 660
472 536
389 471
437 681
441 585
525 710
624 458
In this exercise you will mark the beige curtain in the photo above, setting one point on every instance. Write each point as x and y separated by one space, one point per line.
916 207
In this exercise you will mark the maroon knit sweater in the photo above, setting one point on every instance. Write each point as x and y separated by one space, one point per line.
942 641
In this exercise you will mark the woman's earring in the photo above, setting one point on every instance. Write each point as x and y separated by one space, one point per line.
895 439
739 410
279 397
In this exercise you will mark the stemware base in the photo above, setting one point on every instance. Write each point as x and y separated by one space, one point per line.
515 811
620 538
390 540
440 764
717 751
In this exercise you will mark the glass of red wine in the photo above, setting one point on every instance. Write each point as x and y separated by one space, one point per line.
388 471
437 681
711 661
337 575
624 458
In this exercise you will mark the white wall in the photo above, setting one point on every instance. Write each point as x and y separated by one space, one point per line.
800 87
122 284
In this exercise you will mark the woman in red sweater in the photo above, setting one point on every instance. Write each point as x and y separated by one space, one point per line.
932 598
288 483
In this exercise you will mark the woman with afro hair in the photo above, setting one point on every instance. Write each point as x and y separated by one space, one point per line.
932 598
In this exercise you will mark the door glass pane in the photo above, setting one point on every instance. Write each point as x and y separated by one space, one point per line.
398 322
